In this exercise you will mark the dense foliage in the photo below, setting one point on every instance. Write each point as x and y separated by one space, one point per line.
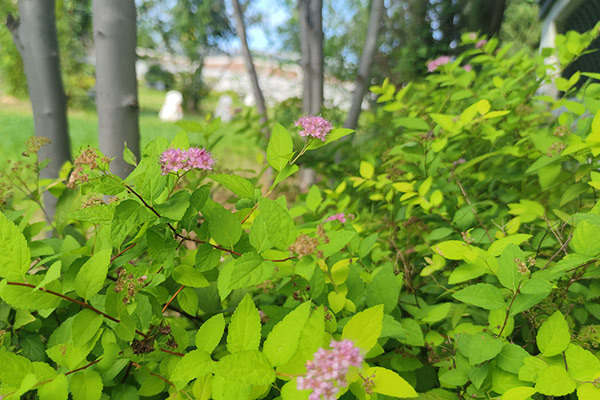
459 262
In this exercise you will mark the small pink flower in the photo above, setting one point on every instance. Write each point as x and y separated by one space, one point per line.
174 160
480 44
472 36
326 373
199 158
434 64
315 126
337 217
468 67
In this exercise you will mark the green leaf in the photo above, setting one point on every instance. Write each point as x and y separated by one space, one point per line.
508 272
246 366
14 368
499 245
193 365
583 241
389 383
148 179
280 148
335 134
479 347
452 249
287 171
273 225
85 325
188 301
366 169
51 275
175 207
481 295
26 299
14 252
128 215
238 185
244 328
511 357
553 336
364 328
57 389
86 385
227 389
518 393
207 257
91 276
313 198
282 342
224 227
555 381
588 391
337 241
413 123
583 364
189 276
383 289
209 335
249 270
128 156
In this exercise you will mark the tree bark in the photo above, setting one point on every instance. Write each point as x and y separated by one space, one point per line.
366 59
35 37
316 55
241 31
115 40
305 53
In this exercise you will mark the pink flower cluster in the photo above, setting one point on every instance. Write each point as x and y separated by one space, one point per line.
315 126
174 160
326 373
339 217
434 64
468 67
480 44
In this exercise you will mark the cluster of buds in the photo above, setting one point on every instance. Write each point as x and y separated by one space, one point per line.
146 345
304 245
326 373
92 201
267 286
302 293
521 265
561 131
467 237
34 144
480 43
87 157
315 126
556 149
126 280
175 160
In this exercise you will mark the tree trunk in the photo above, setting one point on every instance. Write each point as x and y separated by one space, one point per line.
116 85
35 37
305 53
241 31
366 60
316 55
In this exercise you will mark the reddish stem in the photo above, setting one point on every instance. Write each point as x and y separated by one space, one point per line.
173 298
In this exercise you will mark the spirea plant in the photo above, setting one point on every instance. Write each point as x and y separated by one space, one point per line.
460 261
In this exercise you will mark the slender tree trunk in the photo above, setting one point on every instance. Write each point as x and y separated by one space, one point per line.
305 55
116 85
35 37
366 60
316 55
241 31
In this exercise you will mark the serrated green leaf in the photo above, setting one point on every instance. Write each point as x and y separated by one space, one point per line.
481 295
210 333
238 185
280 148
246 366
86 385
85 325
91 276
224 227
249 270
189 276
508 272
479 347
274 225
14 252
553 336
383 289
583 364
555 381
57 389
389 383
244 328
193 365
364 328
313 198
282 341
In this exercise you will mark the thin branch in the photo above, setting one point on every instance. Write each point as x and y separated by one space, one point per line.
79 302
172 298
464 193
563 247
113 258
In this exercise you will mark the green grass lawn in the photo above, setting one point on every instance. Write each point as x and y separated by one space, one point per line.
16 125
